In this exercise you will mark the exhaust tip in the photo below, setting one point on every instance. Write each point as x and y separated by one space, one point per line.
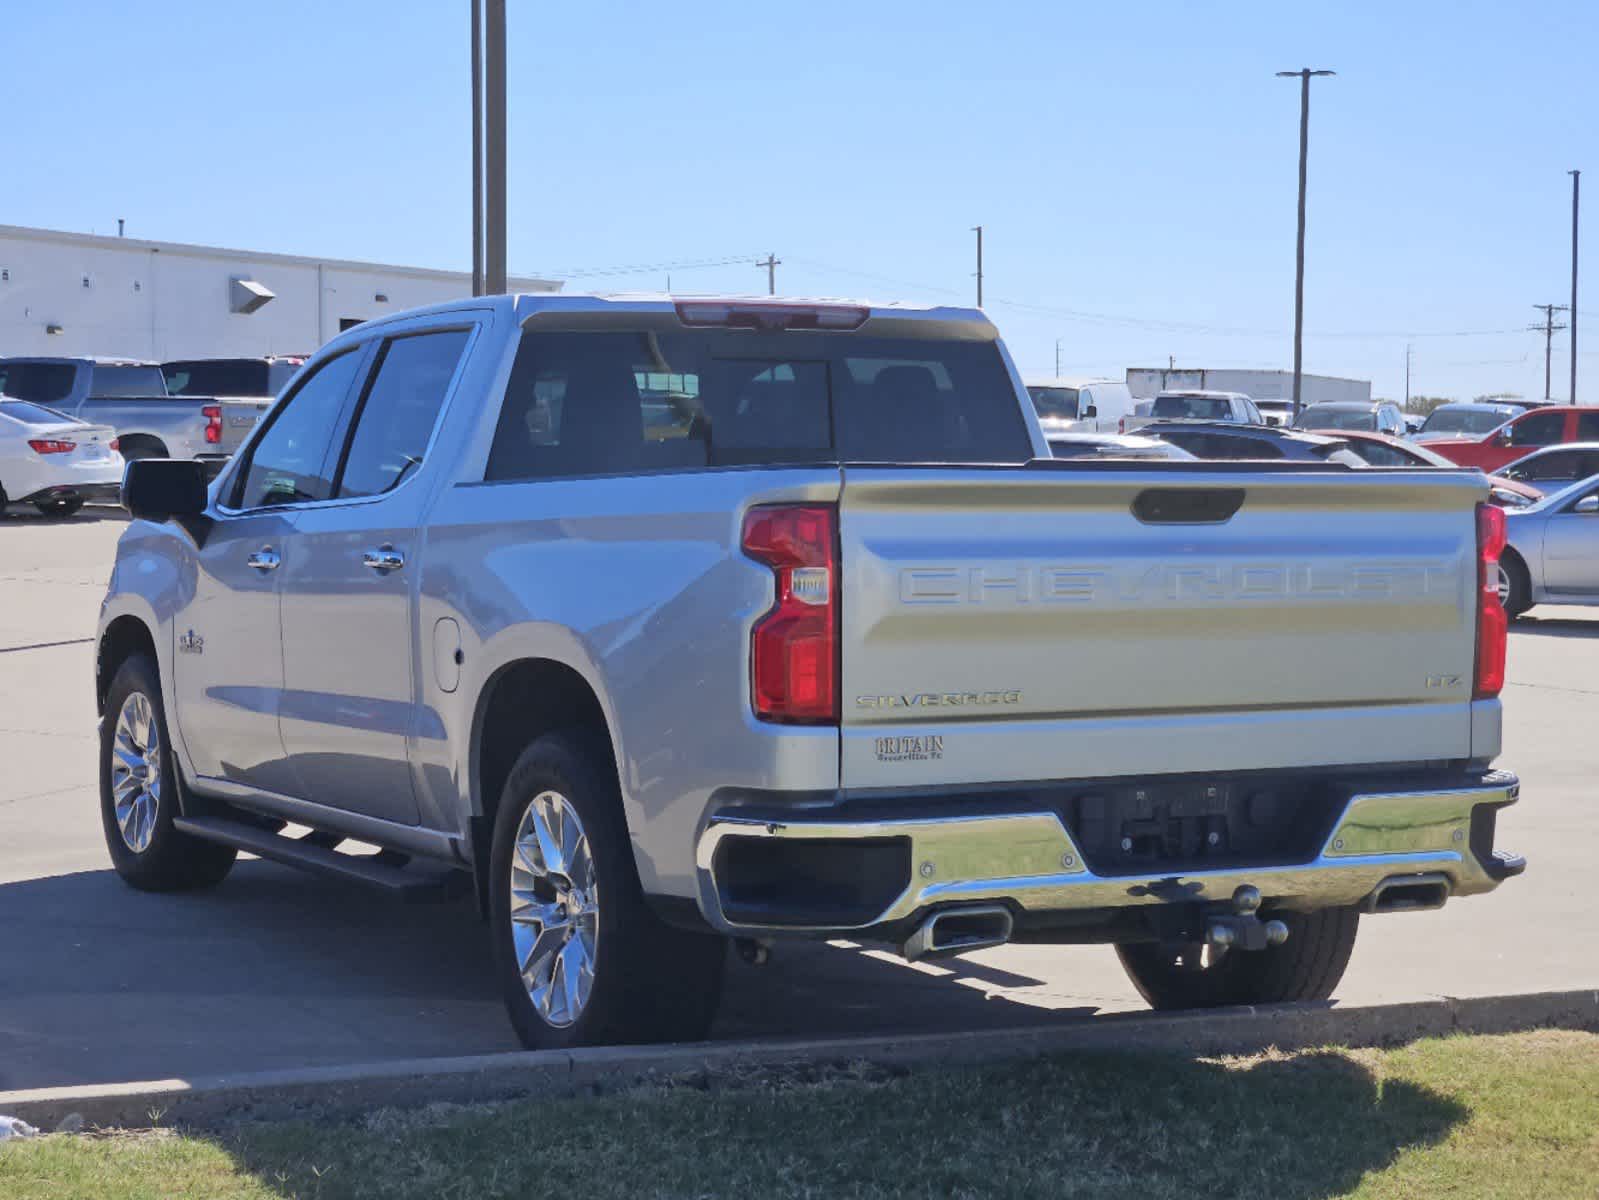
1408 893
958 930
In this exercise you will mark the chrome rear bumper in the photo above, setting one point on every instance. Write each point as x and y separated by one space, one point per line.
1029 861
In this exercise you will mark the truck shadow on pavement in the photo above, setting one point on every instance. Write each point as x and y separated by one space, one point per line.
90 514
276 969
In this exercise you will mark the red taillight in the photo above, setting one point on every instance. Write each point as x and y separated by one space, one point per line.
794 647
721 314
1493 627
213 423
51 446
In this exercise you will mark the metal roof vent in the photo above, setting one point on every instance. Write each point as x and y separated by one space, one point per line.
246 295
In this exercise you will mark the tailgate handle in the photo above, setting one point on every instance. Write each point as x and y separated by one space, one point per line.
1187 506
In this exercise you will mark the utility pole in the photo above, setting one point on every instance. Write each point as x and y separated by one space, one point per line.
494 147
1057 358
978 230
771 262
1548 329
1407 376
477 146
1304 76
1576 183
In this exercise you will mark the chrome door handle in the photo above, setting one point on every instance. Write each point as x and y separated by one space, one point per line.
264 559
384 559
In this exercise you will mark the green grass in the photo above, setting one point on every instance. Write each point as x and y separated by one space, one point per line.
1460 1117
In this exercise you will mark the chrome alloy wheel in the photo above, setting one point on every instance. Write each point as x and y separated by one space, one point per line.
1502 586
136 771
555 913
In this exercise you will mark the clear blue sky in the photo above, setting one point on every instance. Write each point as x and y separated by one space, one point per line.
1133 164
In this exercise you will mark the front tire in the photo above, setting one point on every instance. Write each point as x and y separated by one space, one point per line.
581 957
139 791
1307 966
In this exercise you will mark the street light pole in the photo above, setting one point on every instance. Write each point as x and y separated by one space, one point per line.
1576 183
477 147
1304 76
494 147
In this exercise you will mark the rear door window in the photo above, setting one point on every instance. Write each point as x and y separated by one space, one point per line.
592 403
1588 427
120 382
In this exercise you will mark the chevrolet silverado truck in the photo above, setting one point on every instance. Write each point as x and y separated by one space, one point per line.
659 624
132 398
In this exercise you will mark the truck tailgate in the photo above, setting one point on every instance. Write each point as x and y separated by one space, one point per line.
1062 621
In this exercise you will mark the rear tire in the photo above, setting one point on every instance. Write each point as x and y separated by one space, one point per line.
1515 588
139 791
59 508
579 914
1307 966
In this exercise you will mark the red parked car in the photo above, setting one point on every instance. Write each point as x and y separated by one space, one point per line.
1521 435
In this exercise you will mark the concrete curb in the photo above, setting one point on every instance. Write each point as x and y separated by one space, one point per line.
223 1099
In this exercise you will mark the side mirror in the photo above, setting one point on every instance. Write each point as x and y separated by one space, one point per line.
1091 411
164 489
1588 504
1503 439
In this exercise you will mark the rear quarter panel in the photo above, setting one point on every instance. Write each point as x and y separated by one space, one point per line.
637 583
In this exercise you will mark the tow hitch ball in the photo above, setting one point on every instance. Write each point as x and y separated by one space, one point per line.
1242 929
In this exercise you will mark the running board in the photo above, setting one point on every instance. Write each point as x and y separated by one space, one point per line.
315 853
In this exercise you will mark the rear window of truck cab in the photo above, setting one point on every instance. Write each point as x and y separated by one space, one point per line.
623 402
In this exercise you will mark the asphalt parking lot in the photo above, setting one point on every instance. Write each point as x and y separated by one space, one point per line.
276 969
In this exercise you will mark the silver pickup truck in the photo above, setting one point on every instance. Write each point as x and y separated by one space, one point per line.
130 397
663 623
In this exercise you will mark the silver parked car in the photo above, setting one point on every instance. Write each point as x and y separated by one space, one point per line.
1552 550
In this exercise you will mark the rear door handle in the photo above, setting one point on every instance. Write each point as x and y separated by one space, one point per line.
264 559
384 559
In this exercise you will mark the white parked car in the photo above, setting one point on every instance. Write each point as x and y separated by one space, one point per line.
53 462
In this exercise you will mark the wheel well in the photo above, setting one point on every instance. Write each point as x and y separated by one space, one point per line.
523 700
136 441
124 637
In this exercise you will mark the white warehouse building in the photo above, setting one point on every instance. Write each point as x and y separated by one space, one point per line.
73 294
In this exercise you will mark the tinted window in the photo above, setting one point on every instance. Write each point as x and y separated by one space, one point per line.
598 403
1221 445
217 377
1324 416
1588 427
396 420
126 381
1556 465
1055 403
290 462
1202 408
1538 429
1450 419
43 383
32 414
1379 454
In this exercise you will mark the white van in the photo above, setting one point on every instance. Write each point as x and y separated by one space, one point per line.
1080 405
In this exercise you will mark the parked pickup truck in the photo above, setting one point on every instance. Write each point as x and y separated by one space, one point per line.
1196 406
244 387
129 396
659 623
